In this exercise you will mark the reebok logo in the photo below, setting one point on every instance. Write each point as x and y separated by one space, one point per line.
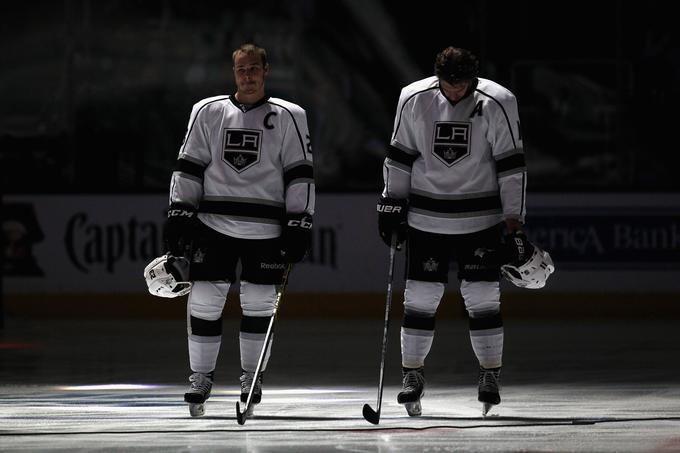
272 266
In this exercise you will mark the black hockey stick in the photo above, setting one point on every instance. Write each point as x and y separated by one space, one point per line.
369 414
241 416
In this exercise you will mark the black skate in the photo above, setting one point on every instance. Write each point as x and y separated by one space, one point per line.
489 384
246 383
199 392
414 389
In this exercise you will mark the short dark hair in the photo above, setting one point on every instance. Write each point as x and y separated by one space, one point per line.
251 49
456 65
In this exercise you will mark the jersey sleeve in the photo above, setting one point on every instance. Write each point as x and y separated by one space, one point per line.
298 165
508 153
401 152
186 184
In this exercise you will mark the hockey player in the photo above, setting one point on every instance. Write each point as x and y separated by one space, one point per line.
455 182
242 190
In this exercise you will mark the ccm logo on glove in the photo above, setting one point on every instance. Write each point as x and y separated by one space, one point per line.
302 223
180 213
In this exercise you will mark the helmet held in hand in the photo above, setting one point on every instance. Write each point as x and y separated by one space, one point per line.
167 276
531 272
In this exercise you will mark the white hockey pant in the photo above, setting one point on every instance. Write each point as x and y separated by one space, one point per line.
257 305
482 301
204 323
421 300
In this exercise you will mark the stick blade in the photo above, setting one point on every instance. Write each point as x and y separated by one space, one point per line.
370 415
240 416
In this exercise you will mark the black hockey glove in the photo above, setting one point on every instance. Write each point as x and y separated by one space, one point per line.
178 230
517 248
392 219
296 237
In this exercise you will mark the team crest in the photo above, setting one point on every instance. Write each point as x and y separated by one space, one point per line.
480 252
451 141
241 148
199 256
430 265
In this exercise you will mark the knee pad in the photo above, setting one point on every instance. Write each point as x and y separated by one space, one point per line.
206 300
481 298
257 300
422 297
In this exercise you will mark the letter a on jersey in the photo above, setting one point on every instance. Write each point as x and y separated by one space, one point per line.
241 148
451 141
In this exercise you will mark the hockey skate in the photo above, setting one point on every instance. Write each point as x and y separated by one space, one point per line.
414 389
489 384
199 392
246 383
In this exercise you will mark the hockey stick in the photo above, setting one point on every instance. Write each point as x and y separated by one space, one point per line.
241 416
369 414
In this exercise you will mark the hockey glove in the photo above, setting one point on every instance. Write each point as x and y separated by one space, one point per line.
517 248
178 230
392 219
296 237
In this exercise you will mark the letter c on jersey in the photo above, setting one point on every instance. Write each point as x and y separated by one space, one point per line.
266 122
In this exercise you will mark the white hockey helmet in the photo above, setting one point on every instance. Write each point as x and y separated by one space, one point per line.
531 274
167 276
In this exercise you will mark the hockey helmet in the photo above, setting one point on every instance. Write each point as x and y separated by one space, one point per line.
167 276
533 272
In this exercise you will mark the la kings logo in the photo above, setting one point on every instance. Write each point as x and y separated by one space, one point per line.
241 148
451 141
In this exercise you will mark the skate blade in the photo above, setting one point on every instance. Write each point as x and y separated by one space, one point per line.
196 410
486 407
413 409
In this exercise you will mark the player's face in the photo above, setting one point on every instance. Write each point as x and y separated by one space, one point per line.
249 75
454 91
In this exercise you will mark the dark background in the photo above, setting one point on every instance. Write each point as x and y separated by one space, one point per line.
96 95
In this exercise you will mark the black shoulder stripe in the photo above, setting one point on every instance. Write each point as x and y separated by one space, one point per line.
507 120
192 168
510 163
298 172
297 129
396 129
191 128
400 156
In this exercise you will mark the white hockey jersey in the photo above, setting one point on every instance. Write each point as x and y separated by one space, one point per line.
245 169
461 165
